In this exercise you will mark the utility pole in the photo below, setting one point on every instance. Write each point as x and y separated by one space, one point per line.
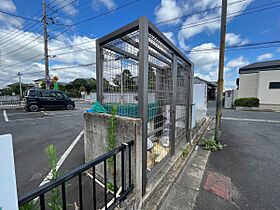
47 76
219 104
20 88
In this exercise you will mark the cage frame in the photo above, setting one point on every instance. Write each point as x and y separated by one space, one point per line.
145 27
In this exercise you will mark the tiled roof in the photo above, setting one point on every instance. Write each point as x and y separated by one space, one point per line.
260 66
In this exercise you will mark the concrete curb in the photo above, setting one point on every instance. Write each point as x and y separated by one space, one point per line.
157 193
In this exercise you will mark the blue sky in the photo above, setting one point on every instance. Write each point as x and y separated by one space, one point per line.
261 26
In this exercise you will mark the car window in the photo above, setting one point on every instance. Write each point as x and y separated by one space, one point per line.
59 95
53 94
31 93
44 93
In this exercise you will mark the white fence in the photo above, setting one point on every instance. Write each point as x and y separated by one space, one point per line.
116 97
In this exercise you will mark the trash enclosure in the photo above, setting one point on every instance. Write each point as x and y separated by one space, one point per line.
143 75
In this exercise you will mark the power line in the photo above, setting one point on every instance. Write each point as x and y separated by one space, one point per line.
20 62
18 28
92 18
21 47
198 12
21 17
217 18
65 67
272 43
82 4
100 15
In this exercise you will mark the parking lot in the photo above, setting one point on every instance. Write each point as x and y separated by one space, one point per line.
33 132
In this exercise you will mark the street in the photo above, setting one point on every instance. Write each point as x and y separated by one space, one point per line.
33 132
250 159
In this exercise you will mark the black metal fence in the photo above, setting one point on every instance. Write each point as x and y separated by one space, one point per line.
39 196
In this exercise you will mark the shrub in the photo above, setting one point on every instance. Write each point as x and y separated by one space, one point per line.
247 102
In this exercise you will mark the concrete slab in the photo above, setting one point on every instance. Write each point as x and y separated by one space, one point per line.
185 190
181 199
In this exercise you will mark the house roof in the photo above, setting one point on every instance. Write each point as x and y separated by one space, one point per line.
198 80
260 66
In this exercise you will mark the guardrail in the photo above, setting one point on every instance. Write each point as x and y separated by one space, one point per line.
10 103
61 181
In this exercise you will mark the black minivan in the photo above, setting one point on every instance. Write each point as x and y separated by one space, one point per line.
37 99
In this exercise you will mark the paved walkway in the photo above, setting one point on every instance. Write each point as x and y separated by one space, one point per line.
244 175
185 190
248 167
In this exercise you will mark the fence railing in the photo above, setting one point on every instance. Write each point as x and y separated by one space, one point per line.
10 103
126 183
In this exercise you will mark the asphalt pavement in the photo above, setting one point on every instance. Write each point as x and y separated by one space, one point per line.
33 132
249 162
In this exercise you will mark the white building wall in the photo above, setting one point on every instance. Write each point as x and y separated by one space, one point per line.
248 85
268 96
200 101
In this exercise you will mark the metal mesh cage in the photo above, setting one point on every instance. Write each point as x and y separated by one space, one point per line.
143 75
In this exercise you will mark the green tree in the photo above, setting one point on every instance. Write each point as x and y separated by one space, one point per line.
127 80
69 87
82 89
151 78
14 88
90 86
77 83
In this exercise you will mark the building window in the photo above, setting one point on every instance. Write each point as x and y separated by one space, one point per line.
274 85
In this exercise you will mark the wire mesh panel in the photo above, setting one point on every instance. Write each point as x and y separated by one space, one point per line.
120 75
160 87
142 74
182 97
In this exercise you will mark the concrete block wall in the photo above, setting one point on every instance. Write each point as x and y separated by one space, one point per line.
96 138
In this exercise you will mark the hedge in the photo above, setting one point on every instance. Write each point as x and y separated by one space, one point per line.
247 102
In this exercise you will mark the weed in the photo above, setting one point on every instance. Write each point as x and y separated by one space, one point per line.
212 145
110 186
54 200
29 206
185 152
112 143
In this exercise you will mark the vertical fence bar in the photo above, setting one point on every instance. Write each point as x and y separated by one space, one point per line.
63 196
93 188
105 184
99 72
81 192
129 166
190 101
115 178
173 105
42 202
123 171
143 93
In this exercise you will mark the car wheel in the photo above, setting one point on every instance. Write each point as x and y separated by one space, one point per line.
33 108
69 107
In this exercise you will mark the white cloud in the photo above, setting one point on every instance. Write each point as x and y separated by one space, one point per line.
278 50
204 61
67 6
235 39
236 63
35 66
170 36
110 4
168 9
192 26
9 6
265 56
205 64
